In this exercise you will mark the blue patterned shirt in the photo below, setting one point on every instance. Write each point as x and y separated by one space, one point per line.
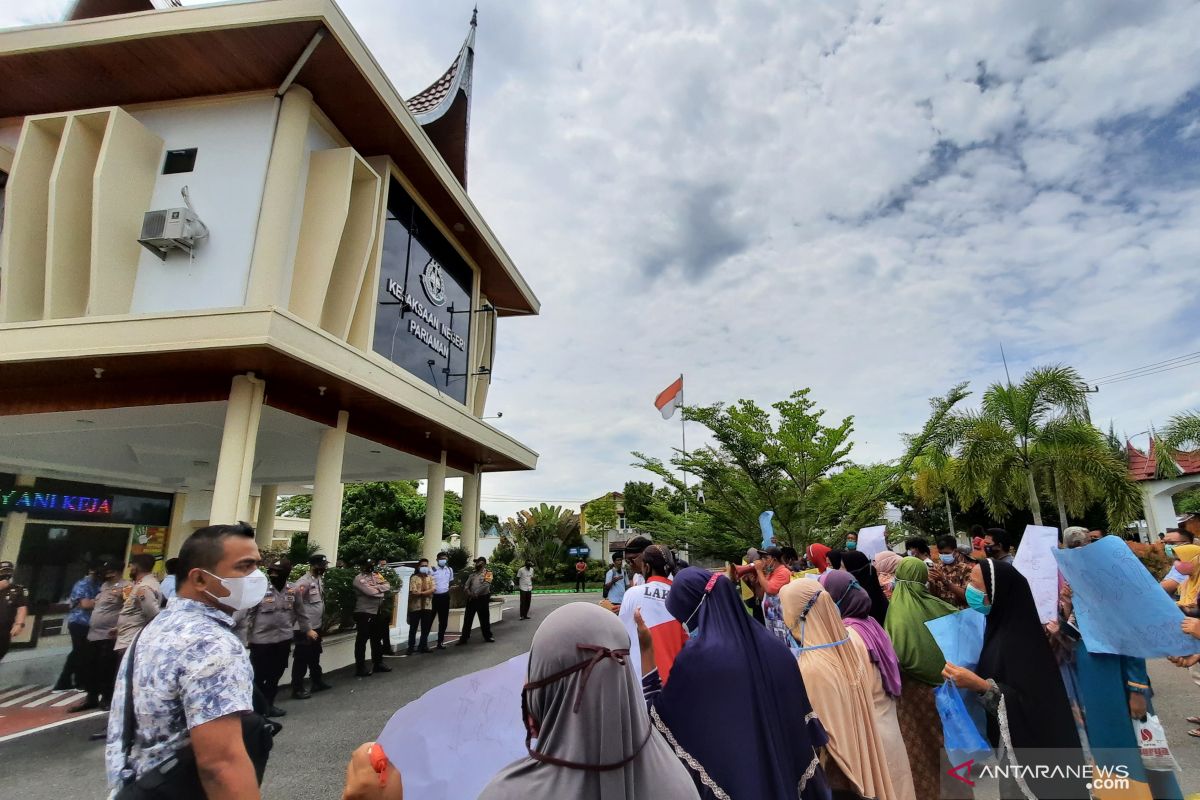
86 588
191 669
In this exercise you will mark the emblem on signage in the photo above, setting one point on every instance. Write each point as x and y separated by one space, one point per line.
434 282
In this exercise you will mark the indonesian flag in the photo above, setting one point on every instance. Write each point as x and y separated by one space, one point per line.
670 399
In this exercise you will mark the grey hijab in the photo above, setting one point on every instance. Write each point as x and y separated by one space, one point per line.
592 716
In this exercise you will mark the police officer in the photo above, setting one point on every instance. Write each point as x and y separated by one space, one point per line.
269 633
102 637
369 591
310 616
14 604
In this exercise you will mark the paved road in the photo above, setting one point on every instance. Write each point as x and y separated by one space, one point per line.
310 756
309 760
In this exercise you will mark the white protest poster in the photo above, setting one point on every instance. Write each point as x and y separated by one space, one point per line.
1035 560
871 541
450 741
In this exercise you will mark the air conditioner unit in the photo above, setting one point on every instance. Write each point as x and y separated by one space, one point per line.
171 229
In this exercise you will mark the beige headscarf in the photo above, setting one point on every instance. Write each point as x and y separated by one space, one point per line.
885 564
588 718
837 678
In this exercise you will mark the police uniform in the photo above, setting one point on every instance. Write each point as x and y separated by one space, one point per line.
269 635
310 616
12 598
102 637
369 591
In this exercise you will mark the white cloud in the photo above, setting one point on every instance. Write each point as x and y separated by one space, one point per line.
863 198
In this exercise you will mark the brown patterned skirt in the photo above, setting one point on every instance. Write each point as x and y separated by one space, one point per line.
921 728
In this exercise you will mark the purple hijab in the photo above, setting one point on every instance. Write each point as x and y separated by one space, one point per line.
855 605
735 709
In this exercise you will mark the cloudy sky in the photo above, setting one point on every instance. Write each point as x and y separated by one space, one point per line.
864 198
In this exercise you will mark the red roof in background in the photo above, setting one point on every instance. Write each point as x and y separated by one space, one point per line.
1141 465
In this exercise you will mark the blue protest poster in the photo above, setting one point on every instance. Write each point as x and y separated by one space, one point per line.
1119 606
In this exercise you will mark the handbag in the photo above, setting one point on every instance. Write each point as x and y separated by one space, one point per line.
963 739
1152 740
177 777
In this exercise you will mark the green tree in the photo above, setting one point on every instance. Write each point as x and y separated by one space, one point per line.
638 497
1035 432
542 534
295 505
1182 431
599 517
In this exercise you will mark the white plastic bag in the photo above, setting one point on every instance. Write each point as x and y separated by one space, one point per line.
1152 740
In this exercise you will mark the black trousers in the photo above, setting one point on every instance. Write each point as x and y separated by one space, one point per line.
307 659
102 665
364 626
581 581
424 619
5 641
269 662
383 623
526 599
74 671
441 610
479 606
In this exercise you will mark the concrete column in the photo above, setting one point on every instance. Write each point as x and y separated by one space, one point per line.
470 512
12 531
325 521
231 489
264 528
178 532
435 505
281 190
1159 507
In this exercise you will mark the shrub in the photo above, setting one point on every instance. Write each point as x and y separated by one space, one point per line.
502 578
457 558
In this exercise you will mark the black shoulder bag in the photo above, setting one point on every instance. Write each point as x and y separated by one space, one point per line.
177 777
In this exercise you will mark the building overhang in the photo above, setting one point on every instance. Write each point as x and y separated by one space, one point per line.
106 362
182 53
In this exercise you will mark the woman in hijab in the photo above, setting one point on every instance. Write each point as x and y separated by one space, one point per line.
1187 562
860 567
834 559
818 556
921 662
585 709
838 675
869 636
885 567
1018 681
760 742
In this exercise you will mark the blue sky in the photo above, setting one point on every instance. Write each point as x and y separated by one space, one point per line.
864 198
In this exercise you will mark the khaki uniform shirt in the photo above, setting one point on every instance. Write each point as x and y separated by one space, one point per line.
108 607
369 589
271 621
143 604
310 603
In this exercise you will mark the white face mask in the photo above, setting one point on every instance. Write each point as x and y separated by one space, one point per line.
244 593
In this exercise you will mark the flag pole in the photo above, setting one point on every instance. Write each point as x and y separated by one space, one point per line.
683 435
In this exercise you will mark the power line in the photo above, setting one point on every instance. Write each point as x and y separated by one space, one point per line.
1143 367
1194 362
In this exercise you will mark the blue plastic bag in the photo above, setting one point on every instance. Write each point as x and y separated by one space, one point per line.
963 739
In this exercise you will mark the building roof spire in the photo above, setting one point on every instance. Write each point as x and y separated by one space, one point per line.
443 109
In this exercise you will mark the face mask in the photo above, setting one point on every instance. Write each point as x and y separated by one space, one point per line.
279 581
244 593
1170 549
1185 567
947 558
851 545
424 570
529 566
975 600
441 562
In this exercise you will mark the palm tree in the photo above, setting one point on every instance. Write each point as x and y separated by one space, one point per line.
930 481
543 533
1182 429
1038 430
